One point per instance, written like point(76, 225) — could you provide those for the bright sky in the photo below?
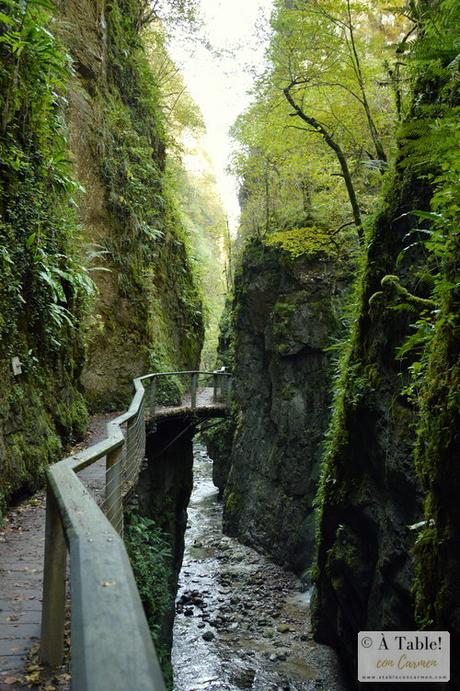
point(220, 84)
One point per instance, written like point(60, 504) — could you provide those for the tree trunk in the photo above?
point(330, 141)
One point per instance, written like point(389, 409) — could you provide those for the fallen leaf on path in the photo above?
point(33, 678)
point(64, 677)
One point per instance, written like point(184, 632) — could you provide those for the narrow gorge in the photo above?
point(229, 293)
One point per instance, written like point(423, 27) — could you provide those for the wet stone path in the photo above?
point(242, 622)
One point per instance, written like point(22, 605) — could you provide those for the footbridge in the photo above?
point(112, 649)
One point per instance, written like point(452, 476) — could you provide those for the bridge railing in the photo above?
point(112, 648)
point(192, 390)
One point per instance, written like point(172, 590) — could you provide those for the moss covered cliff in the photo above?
point(97, 283)
point(148, 314)
point(43, 290)
point(387, 503)
point(286, 310)
point(395, 408)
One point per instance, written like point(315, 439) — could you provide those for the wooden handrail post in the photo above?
point(130, 446)
point(53, 611)
point(153, 396)
point(215, 378)
point(194, 389)
point(113, 482)
point(229, 391)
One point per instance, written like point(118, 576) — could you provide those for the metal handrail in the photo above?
point(112, 649)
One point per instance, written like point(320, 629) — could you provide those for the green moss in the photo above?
point(45, 290)
point(437, 563)
point(40, 422)
point(300, 242)
point(282, 314)
point(231, 502)
point(150, 554)
point(288, 391)
point(374, 422)
point(152, 312)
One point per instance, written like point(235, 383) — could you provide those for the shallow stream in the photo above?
point(242, 622)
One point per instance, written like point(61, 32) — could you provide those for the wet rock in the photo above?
point(283, 628)
point(208, 636)
point(245, 679)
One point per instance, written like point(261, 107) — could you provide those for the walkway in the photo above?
point(22, 539)
point(205, 407)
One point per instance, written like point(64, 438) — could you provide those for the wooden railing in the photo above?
point(112, 649)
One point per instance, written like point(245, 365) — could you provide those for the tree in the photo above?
point(332, 144)
point(326, 80)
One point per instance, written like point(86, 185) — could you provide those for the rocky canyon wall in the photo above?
point(96, 284)
point(285, 313)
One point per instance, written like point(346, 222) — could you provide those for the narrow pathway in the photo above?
point(22, 537)
point(242, 622)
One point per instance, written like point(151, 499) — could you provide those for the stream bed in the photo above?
point(241, 621)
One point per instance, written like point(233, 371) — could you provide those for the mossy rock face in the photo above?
point(40, 415)
point(108, 133)
point(149, 551)
point(437, 560)
point(45, 292)
point(302, 323)
point(380, 450)
point(163, 493)
point(369, 486)
point(219, 440)
point(285, 312)
point(311, 242)
point(148, 315)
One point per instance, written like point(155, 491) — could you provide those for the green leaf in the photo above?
point(429, 215)
point(5, 19)
point(31, 239)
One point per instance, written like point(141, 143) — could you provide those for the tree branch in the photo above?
point(380, 151)
point(332, 144)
